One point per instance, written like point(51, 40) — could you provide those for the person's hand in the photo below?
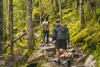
point(41, 25)
point(68, 44)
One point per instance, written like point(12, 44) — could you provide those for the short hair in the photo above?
point(46, 17)
point(57, 21)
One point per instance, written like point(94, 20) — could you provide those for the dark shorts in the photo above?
point(61, 44)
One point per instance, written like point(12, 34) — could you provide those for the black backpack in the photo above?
point(61, 32)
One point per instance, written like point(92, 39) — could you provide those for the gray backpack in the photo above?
point(61, 32)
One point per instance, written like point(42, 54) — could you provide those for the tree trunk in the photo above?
point(52, 3)
point(82, 13)
point(11, 26)
point(65, 1)
point(77, 4)
point(1, 25)
point(29, 27)
point(5, 19)
point(60, 9)
point(57, 5)
point(10, 10)
point(88, 6)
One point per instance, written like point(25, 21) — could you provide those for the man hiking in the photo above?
point(46, 29)
point(61, 36)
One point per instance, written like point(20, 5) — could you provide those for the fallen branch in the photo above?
point(15, 40)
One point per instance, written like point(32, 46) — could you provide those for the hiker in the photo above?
point(61, 37)
point(46, 29)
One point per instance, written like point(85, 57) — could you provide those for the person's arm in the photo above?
point(53, 34)
point(49, 26)
point(68, 41)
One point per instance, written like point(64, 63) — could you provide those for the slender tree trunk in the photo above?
point(29, 27)
point(77, 4)
point(60, 9)
point(5, 19)
point(65, 1)
point(52, 3)
point(40, 13)
point(10, 15)
point(1, 25)
point(82, 13)
point(11, 26)
point(57, 5)
point(88, 6)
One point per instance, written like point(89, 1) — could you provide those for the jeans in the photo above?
point(45, 35)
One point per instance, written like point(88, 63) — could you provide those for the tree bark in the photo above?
point(60, 9)
point(57, 5)
point(11, 25)
point(65, 1)
point(1, 25)
point(52, 3)
point(77, 4)
point(10, 15)
point(88, 6)
point(82, 13)
point(30, 34)
point(5, 19)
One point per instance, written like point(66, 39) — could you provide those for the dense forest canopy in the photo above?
point(21, 32)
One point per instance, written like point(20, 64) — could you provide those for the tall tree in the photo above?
point(60, 9)
point(65, 1)
point(1, 25)
point(5, 9)
point(52, 2)
point(30, 34)
point(88, 6)
point(10, 9)
point(57, 5)
point(10, 18)
point(77, 4)
point(82, 13)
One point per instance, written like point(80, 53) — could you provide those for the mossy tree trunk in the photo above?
point(10, 10)
point(82, 13)
point(5, 19)
point(52, 3)
point(1, 25)
point(77, 4)
point(11, 25)
point(60, 9)
point(65, 1)
point(57, 5)
point(30, 35)
point(88, 6)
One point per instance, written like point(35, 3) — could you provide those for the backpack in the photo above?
point(61, 32)
point(45, 26)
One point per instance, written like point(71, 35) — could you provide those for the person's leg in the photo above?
point(47, 37)
point(43, 36)
point(65, 52)
point(68, 59)
point(58, 56)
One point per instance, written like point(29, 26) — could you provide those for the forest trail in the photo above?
point(49, 50)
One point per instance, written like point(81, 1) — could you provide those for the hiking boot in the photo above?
point(43, 44)
point(58, 63)
point(68, 62)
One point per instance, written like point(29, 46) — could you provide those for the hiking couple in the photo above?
point(61, 37)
